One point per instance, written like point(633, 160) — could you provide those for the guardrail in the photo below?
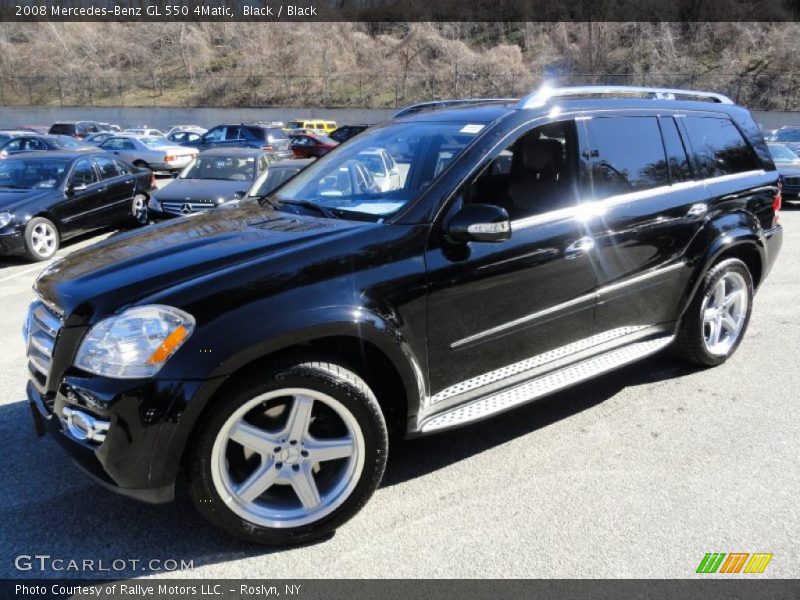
point(761, 91)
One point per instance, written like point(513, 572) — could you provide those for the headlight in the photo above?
point(135, 343)
point(5, 218)
point(154, 204)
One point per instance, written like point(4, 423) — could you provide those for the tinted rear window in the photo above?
point(719, 147)
point(276, 133)
point(62, 129)
point(627, 155)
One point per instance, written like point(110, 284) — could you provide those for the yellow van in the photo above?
point(314, 124)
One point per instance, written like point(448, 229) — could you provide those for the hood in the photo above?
point(13, 199)
point(197, 190)
point(125, 268)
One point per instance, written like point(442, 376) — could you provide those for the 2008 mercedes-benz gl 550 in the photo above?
point(520, 248)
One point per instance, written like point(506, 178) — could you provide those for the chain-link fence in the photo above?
point(763, 91)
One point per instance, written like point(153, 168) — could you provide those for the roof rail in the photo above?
point(547, 93)
point(439, 104)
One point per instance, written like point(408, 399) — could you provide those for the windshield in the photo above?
point(343, 179)
point(269, 181)
point(30, 173)
point(782, 153)
point(232, 168)
point(788, 135)
point(153, 142)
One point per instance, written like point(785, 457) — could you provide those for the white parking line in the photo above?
point(26, 271)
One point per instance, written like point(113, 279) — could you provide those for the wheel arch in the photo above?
point(744, 242)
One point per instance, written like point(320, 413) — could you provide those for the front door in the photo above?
point(493, 305)
point(85, 196)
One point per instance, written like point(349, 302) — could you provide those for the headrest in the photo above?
point(540, 155)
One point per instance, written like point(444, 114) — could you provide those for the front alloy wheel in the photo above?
point(41, 239)
point(139, 209)
point(290, 459)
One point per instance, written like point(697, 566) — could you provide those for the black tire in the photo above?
point(141, 164)
point(690, 343)
point(332, 380)
point(34, 249)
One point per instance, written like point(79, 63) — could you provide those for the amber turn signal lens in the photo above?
point(168, 346)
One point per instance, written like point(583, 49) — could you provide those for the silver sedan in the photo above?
point(154, 153)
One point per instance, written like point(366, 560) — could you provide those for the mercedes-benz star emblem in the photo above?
point(186, 208)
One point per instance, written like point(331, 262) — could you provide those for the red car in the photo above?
point(305, 145)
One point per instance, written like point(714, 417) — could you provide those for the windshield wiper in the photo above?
point(325, 212)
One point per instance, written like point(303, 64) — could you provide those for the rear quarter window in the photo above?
point(62, 129)
point(719, 147)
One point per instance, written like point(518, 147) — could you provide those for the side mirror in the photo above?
point(239, 195)
point(479, 223)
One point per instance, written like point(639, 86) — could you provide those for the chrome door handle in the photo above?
point(578, 248)
point(696, 211)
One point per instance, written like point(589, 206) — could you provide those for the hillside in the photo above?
point(379, 65)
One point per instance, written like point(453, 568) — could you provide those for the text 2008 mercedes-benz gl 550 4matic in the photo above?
point(520, 247)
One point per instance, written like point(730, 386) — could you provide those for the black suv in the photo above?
point(76, 129)
point(525, 246)
point(264, 137)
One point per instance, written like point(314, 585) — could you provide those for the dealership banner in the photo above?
point(388, 589)
point(399, 10)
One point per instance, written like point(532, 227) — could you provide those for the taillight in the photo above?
point(152, 179)
point(266, 147)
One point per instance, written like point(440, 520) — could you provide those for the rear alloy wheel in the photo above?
point(41, 239)
point(139, 209)
point(290, 459)
point(718, 316)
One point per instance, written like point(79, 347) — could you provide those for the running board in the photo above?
point(507, 399)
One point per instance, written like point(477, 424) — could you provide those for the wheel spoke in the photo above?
point(710, 315)
point(305, 486)
point(732, 298)
point(322, 450)
point(299, 418)
point(254, 438)
point(719, 293)
point(713, 336)
point(729, 324)
point(258, 483)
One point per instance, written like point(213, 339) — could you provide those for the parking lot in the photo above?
point(635, 474)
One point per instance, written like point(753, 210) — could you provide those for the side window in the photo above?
point(83, 173)
point(719, 147)
point(112, 144)
point(534, 175)
point(107, 167)
point(215, 135)
point(13, 145)
point(627, 155)
point(233, 133)
point(252, 134)
point(127, 145)
point(122, 167)
point(679, 169)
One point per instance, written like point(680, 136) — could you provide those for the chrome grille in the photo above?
point(793, 181)
point(186, 208)
point(43, 326)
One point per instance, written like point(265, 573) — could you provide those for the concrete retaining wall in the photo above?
point(163, 118)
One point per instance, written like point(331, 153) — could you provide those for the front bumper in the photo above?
point(12, 242)
point(148, 427)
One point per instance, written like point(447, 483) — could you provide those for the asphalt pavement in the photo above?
point(636, 474)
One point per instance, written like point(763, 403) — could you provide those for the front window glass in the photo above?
point(231, 168)
point(24, 173)
point(65, 142)
point(341, 180)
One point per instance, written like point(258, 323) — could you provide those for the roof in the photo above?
point(233, 152)
point(63, 154)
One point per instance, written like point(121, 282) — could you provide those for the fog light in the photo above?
point(83, 426)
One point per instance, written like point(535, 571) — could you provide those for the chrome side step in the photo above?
point(504, 400)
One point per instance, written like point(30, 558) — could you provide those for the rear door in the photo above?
point(650, 204)
point(119, 191)
point(233, 137)
point(86, 197)
point(211, 138)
